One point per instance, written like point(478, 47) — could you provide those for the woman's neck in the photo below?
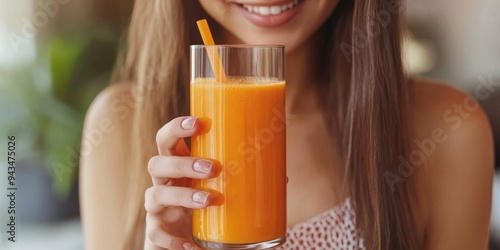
point(303, 73)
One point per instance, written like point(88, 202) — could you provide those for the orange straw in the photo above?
point(213, 54)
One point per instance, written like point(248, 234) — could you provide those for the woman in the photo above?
point(384, 162)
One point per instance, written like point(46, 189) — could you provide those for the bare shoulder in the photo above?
point(450, 117)
point(114, 102)
point(453, 119)
point(453, 157)
point(109, 118)
point(438, 103)
point(103, 166)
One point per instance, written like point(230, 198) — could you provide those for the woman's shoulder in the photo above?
point(113, 102)
point(107, 128)
point(103, 161)
point(437, 108)
point(452, 155)
point(108, 123)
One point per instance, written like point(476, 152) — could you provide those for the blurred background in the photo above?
point(56, 55)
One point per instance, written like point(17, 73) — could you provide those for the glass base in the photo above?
point(259, 245)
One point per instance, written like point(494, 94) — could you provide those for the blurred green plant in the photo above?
point(44, 103)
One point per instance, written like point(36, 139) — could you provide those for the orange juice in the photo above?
point(244, 132)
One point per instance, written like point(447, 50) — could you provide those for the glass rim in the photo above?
point(240, 46)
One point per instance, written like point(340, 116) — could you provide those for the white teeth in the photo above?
point(265, 11)
point(270, 10)
point(275, 10)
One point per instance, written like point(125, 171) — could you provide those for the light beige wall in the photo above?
point(466, 34)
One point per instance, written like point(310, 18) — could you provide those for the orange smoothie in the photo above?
point(244, 132)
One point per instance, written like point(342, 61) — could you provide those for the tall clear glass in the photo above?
point(243, 131)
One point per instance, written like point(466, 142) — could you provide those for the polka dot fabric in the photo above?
point(333, 229)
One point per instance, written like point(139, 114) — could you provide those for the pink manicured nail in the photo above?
point(189, 122)
point(202, 166)
point(188, 246)
point(200, 197)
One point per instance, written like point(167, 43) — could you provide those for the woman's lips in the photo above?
point(270, 16)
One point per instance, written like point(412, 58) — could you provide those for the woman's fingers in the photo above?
point(160, 238)
point(161, 196)
point(181, 149)
point(166, 204)
point(163, 168)
point(171, 133)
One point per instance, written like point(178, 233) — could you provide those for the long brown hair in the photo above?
point(365, 99)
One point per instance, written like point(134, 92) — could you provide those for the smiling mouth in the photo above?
point(270, 10)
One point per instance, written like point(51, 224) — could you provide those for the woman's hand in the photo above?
point(169, 201)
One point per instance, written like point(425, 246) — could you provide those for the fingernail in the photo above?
point(189, 122)
point(188, 246)
point(200, 197)
point(202, 166)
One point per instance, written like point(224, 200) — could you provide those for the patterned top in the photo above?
point(333, 229)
